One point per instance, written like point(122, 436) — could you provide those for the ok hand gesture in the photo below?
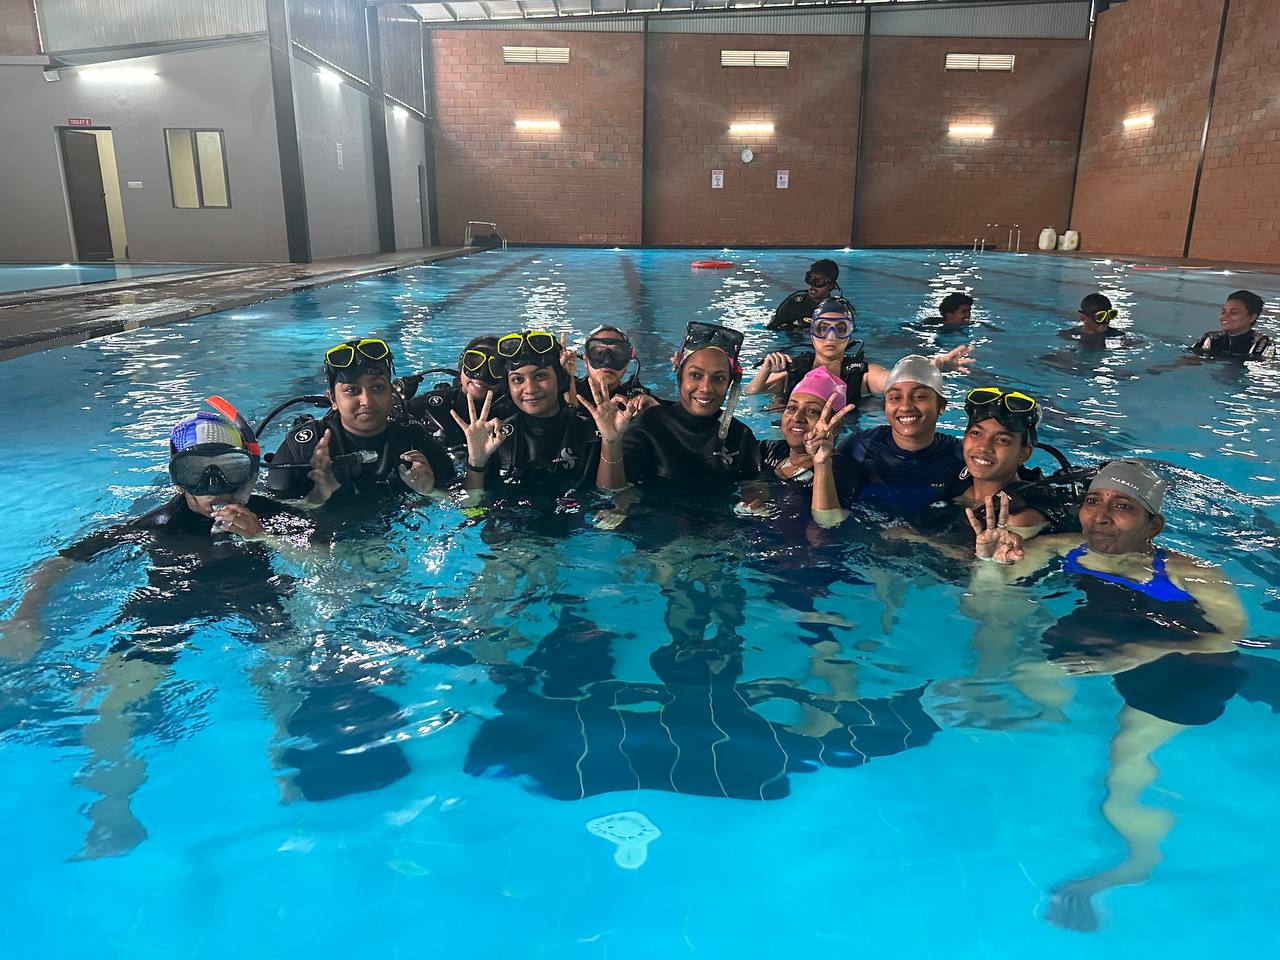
point(612, 418)
point(484, 435)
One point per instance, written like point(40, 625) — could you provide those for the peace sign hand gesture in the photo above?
point(820, 441)
point(484, 435)
point(995, 541)
point(612, 418)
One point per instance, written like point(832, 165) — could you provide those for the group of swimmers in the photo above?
point(516, 420)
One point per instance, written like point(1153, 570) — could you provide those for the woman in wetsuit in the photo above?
point(545, 447)
point(480, 373)
point(608, 352)
point(696, 441)
point(788, 458)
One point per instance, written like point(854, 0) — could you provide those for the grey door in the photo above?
point(88, 199)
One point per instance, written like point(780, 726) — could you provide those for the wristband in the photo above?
point(473, 468)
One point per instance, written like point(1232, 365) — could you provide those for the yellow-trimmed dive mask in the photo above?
point(537, 342)
point(1013, 408)
point(348, 361)
point(482, 365)
point(1104, 317)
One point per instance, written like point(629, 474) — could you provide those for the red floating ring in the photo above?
point(711, 264)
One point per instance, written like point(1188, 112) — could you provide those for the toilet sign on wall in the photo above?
point(784, 179)
point(717, 179)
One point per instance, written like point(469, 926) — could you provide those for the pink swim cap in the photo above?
point(821, 384)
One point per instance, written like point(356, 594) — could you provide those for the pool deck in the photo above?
point(33, 320)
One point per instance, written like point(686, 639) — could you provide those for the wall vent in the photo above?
point(535, 54)
point(755, 58)
point(980, 61)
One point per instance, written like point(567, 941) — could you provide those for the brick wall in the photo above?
point(578, 185)
point(922, 186)
point(813, 105)
point(1134, 189)
point(18, 36)
point(1238, 210)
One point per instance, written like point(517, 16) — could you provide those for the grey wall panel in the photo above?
point(333, 29)
point(401, 36)
point(406, 147)
point(226, 87)
point(1067, 21)
point(341, 205)
point(828, 22)
point(81, 24)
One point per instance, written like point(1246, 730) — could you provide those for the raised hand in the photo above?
point(324, 483)
point(820, 441)
point(416, 472)
point(961, 359)
point(484, 435)
point(994, 540)
point(612, 418)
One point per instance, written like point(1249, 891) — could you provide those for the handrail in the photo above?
point(466, 239)
point(980, 243)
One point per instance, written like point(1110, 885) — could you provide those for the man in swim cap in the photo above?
point(1237, 337)
point(903, 466)
point(1163, 624)
point(795, 311)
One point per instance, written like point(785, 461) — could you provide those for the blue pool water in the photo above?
point(38, 276)
point(407, 762)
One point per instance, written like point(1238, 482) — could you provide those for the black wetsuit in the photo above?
point(905, 480)
point(852, 371)
point(287, 475)
point(627, 388)
point(795, 311)
point(433, 407)
point(667, 442)
point(545, 456)
point(1185, 688)
point(1250, 345)
point(196, 576)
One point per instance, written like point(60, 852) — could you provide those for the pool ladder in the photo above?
point(493, 228)
point(1015, 230)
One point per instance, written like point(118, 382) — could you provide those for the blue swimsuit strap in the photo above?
point(1159, 587)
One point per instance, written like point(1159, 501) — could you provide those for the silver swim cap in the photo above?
point(916, 369)
point(1134, 479)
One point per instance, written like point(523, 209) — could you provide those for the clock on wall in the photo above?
point(747, 155)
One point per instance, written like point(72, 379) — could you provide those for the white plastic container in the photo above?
point(1071, 240)
point(1048, 238)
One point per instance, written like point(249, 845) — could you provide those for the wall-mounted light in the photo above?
point(1144, 120)
point(116, 74)
point(744, 129)
point(329, 76)
point(537, 124)
point(975, 130)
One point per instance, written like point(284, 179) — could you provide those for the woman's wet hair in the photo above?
point(1094, 304)
point(1252, 302)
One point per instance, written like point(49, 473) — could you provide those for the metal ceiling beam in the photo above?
point(450, 11)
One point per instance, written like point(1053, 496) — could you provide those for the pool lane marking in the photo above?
point(622, 718)
point(715, 759)
point(786, 757)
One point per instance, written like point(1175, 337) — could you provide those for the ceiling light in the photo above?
point(741, 129)
point(116, 74)
point(1145, 120)
point(971, 130)
point(329, 77)
point(537, 124)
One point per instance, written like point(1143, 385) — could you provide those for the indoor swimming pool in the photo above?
point(454, 731)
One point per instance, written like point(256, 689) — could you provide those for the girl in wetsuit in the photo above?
point(831, 330)
point(545, 447)
point(696, 441)
point(480, 373)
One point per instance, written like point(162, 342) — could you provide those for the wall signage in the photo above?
point(79, 122)
point(717, 179)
